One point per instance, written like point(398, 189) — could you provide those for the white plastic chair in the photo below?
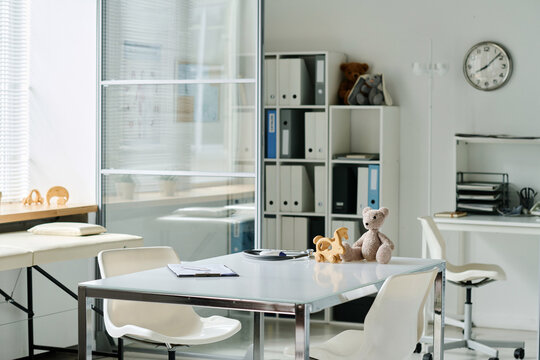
point(467, 276)
point(166, 324)
point(392, 326)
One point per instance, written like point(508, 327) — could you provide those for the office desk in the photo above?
point(521, 225)
point(22, 249)
point(296, 287)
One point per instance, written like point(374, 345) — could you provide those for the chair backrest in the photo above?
point(126, 261)
point(153, 316)
point(392, 326)
point(434, 238)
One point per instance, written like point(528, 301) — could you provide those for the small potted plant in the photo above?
point(125, 187)
point(167, 185)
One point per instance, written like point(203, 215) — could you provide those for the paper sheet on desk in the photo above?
point(186, 270)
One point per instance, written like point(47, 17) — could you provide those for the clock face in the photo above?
point(487, 66)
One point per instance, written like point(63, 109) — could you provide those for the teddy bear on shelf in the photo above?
point(351, 72)
point(373, 244)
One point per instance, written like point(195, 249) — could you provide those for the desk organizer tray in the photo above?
point(479, 196)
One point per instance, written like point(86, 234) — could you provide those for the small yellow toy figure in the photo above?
point(327, 249)
point(60, 193)
point(33, 198)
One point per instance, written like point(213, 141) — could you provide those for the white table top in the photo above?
point(23, 249)
point(300, 281)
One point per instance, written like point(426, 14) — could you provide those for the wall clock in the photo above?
point(487, 66)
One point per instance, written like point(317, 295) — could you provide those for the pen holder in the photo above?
point(526, 198)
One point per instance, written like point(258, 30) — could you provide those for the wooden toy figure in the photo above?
point(327, 249)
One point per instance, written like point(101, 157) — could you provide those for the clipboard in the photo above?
point(207, 270)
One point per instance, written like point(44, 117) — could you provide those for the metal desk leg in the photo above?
point(302, 332)
point(30, 306)
point(258, 336)
point(85, 325)
point(438, 317)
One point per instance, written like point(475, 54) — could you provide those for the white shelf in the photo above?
point(350, 129)
point(369, 129)
point(312, 161)
point(492, 140)
point(356, 162)
point(309, 214)
point(346, 216)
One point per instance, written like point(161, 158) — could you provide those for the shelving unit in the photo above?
point(373, 129)
point(514, 156)
point(324, 76)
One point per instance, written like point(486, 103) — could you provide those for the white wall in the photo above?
point(63, 97)
point(390, 35)
point(62, 152)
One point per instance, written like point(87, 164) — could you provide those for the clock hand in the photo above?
point(489, 63)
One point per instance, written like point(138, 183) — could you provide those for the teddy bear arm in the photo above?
point(385, 240)
point(358, 243)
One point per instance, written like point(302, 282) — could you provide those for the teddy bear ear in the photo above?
point(365, 67)
point(343, 66)
point(384, 211)
point(366, 209)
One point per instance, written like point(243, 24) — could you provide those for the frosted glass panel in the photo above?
point(148, 39)
point(199, 217)
point(199, 127)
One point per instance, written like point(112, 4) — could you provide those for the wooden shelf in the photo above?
point(13, 212)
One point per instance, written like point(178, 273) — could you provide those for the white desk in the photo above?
point(22, 249)
point(524, 225)
point(295, 287)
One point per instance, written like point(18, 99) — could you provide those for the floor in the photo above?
point(280, 334)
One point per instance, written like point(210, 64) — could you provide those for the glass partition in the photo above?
point(147, 40)
point(190, 127)
point(179, 131)
point(199, 217)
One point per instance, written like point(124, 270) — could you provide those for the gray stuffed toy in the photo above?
point(368, 90)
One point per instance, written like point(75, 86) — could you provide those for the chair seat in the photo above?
point(212, 329)
point(474, 271)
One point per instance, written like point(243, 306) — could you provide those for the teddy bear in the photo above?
point(368, 90)
point(351, 71)
point(373, 244)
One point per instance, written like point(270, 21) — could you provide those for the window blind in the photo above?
point(14, 87)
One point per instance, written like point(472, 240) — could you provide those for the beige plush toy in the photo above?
point(372, 245)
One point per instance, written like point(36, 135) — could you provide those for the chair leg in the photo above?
point(120, 349)
point(488, 347)
point(171, 350)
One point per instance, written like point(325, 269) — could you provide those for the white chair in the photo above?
point(164, 324)
point(392, 326)
point(468, 276)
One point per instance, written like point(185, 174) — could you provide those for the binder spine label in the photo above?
point(373, 192)
point(271, 134)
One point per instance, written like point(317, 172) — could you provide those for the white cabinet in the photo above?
point(304, 131)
